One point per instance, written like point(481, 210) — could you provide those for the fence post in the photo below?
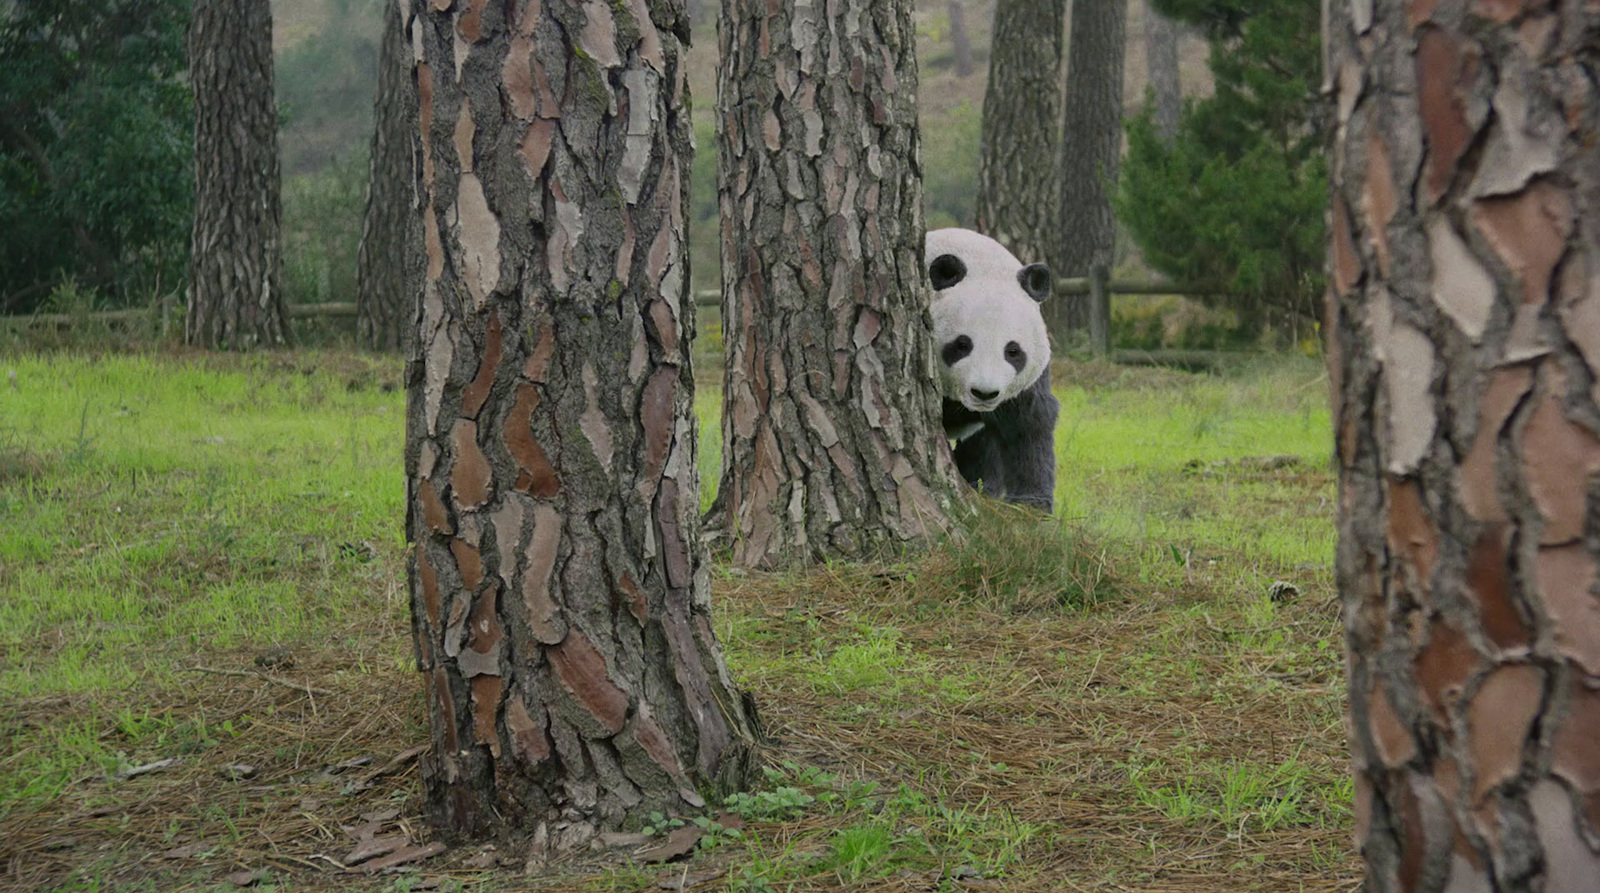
point(1100, 309)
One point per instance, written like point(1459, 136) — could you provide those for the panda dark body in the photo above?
point(994, 356)
point(1013, 456)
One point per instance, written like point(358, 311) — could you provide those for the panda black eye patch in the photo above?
point(1016, 356)
point(946, 270)
point(955, 351)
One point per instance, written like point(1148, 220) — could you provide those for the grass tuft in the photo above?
point(1013, 559)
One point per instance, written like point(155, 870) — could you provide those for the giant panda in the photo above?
point(994, 361)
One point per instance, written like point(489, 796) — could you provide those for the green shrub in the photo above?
point(1236, 198)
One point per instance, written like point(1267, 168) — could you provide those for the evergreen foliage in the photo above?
point(1237, 198)
point(95, 148)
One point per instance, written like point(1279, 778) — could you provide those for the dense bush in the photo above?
point(95, 149)
point(1236, 198)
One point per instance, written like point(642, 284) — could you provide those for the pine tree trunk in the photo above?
point(1161, 67)
point(1465, 346)
point(832, 444)
point(1018, 183)
point(391, 232)
point(1090, 152)
point(235, 295)
point(960, 44)
point(560, 594)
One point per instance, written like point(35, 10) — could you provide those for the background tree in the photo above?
point(560, 596)
point(1090, 152)
point(1161, 70)
point(832, 444)
point(391, 234)
point(236, 259)
point(94, 149)
point(1236, 199)
point(960, 43)
point(1464, 350)
point(1018, 176)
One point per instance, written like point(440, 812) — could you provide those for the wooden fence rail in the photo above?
point(1098, 286)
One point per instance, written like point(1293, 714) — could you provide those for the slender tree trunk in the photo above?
point(391, 232)
point(1090, 152)
point(1465, 346)
point(1018, 182)
point(960, 45)
point(832, 444)
point(235, 269)
point(560, 593)
point(1161, 67)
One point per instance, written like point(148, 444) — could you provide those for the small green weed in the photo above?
point(861, 851)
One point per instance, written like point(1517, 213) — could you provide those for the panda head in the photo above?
point(987, 327)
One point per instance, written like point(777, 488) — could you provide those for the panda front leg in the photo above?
point(1028, 452)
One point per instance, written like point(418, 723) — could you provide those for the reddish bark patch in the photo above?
point(540, 609)
point(1391, 736)
point(538, 365)
point(539, 478)
point(1346, 262)
point(1412, 534)
point(674, 549)
point(1558, 458)
point(1412, 835)
point(471, 22)
point(447, 711)
point(472, 399)
point(636, 598)
point(434, 512)
point(1480, 486)
point(483, 626)
point(1444, 666)
point(528, 739)
point(666, 328)
point(1501, 11)
point(1420, 11)
point(582, 671)
point(656, 415)
point(1529, 233)
point(430, 585)
point(1439, 66)
point(1499, 717)
point(1574, 755)
point(1489, 578)
point(486, 692)
point(535, 146)
point(654, 741)
point(1378, 198)
point(471, 478)
point(1566, 576)
point(470, 562)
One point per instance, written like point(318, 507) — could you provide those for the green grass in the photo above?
point(1102, 695)
point(175, 506)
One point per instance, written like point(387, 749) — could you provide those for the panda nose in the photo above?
point(984, 396)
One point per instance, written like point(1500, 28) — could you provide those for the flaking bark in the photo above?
point(235, 297)
point(1019, 186)
point(1464, 350)
point(389, 262)
point(832, 445)
point(560, 595)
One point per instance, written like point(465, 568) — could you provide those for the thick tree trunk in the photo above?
point(1465, 346)
point(235, 269)
point(960, 44)
point(389, 262)
point(832, 444)
point(1018, 183)
point(1161, 69)
point(560, 592)
point(1090, 152)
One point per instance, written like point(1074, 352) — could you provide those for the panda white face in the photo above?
point(990, 335)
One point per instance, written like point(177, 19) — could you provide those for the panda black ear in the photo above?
point(946, 270)
point(1035, 280)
